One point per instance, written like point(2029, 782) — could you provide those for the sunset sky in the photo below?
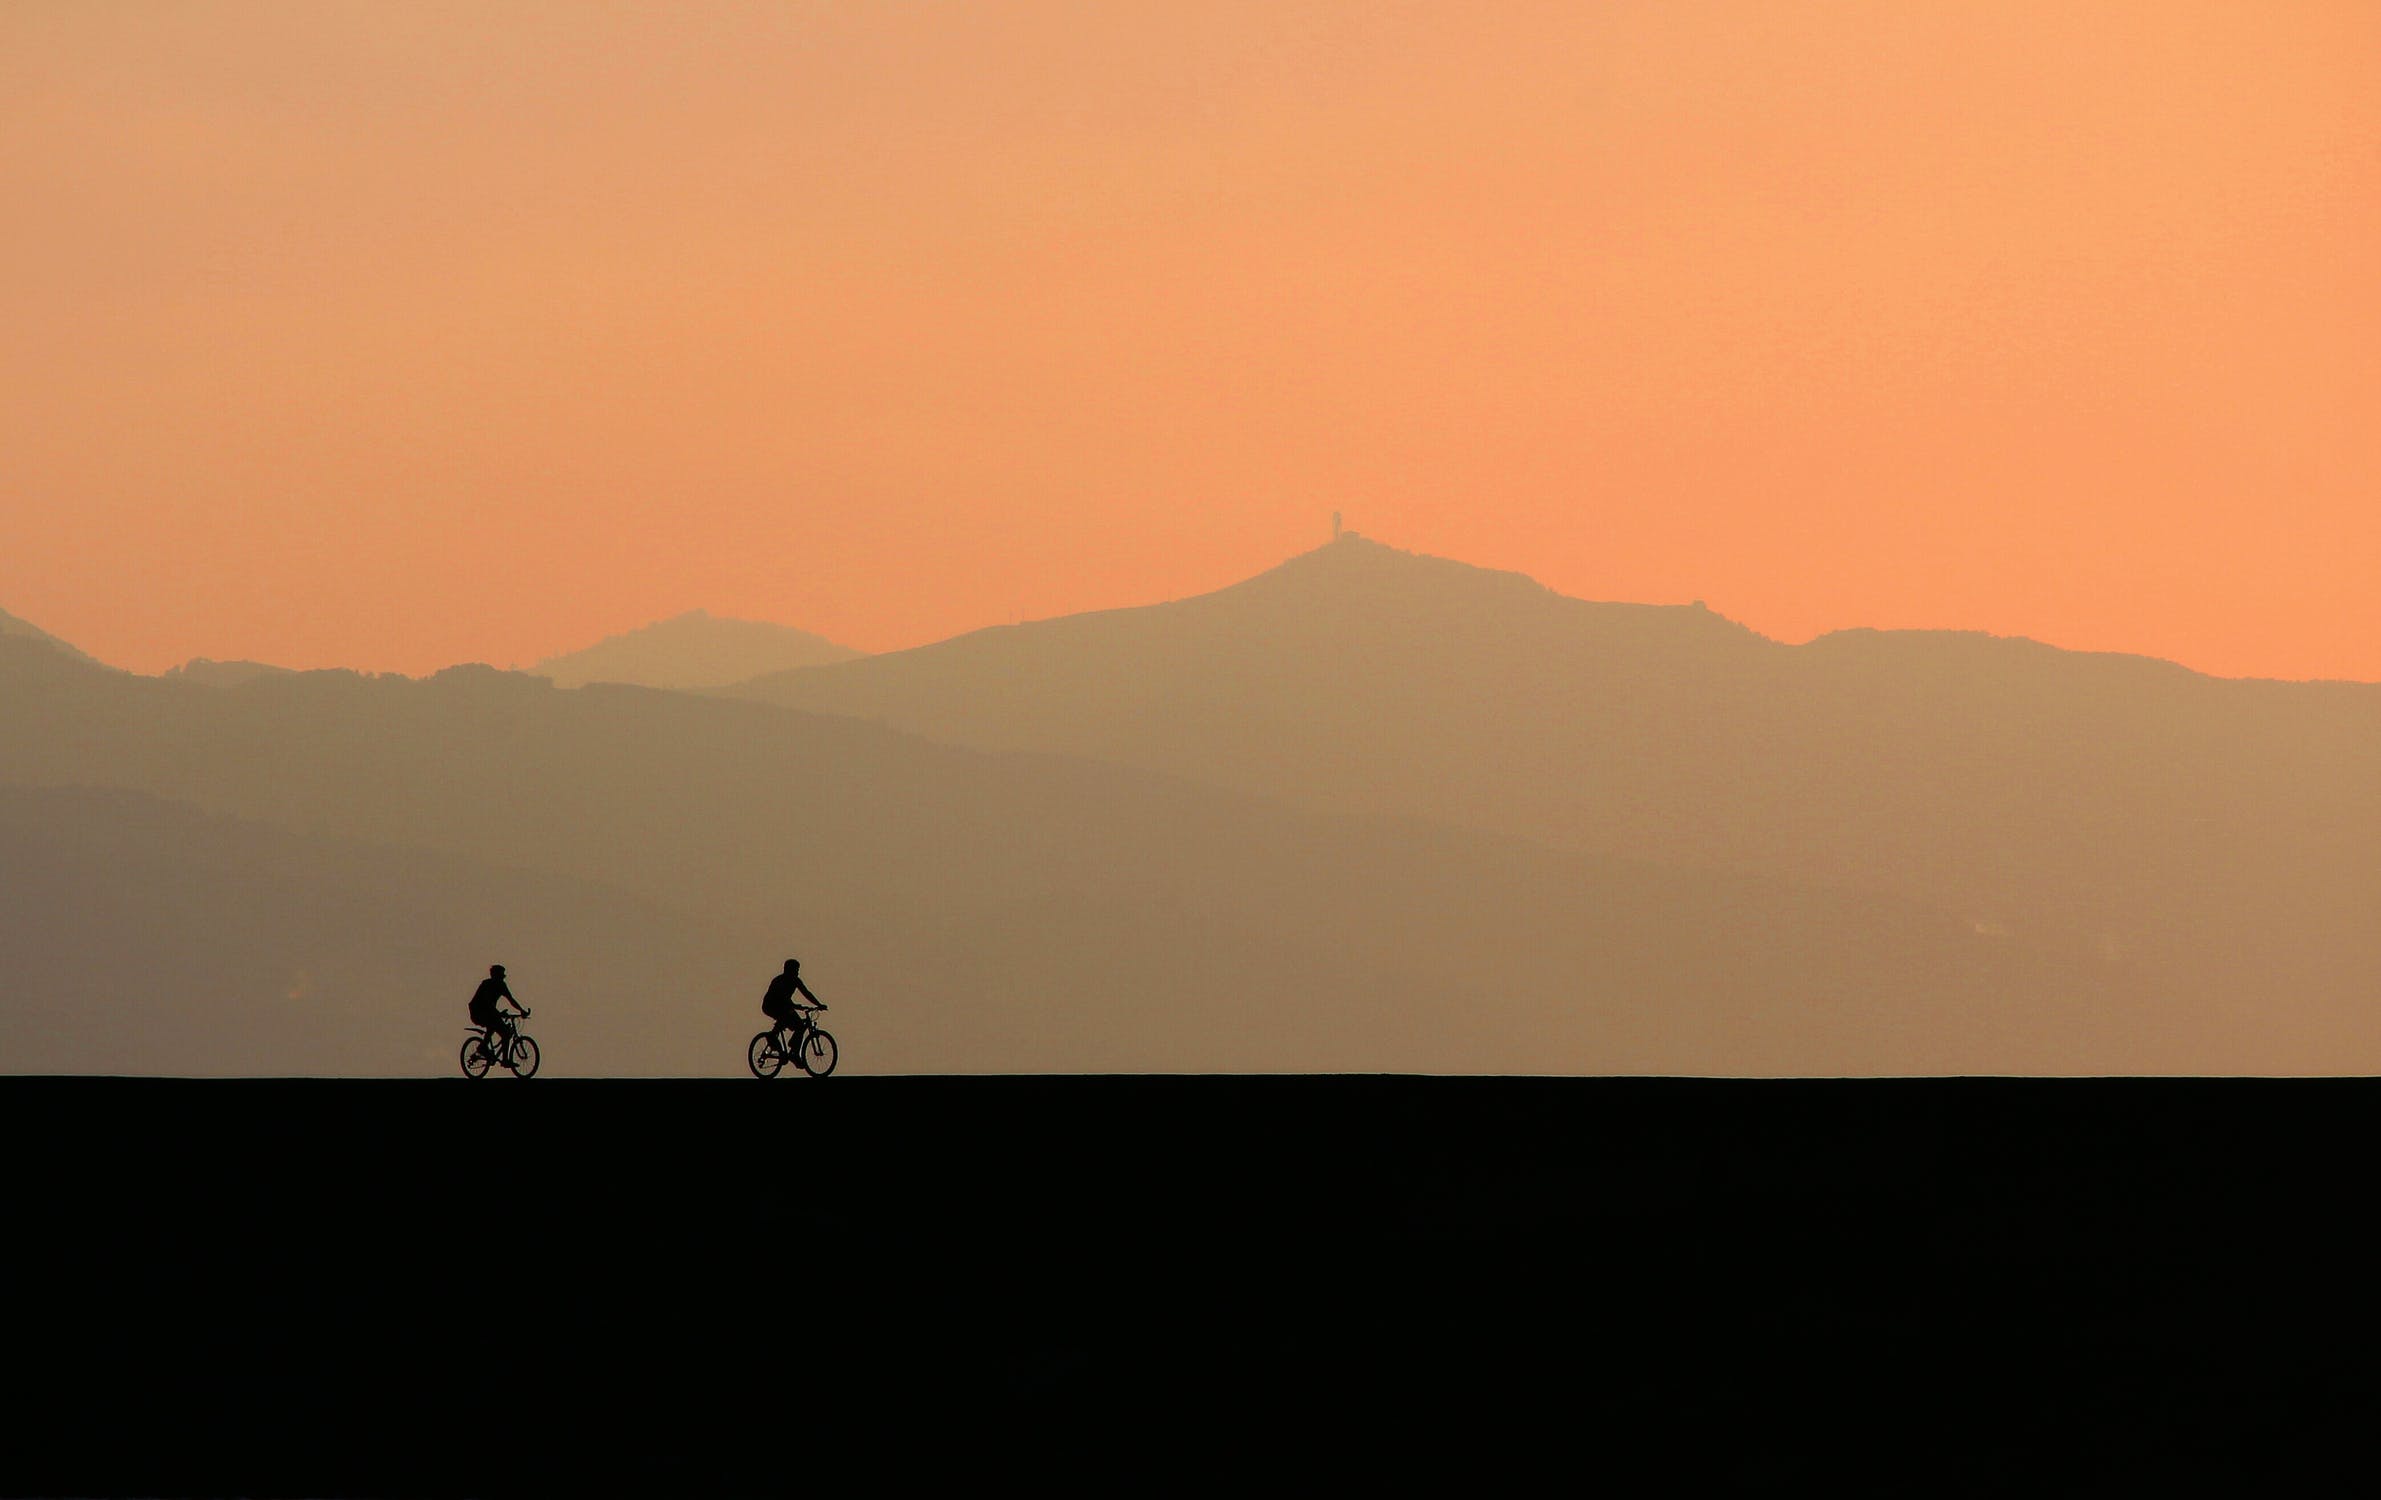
point(393, 335)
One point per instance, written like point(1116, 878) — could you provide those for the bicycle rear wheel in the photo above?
point(818, 1053)
point(475, 1058)
point(524, 1058)
point(766, 1057)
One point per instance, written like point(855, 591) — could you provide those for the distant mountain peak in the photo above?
point(693, 650)
point(1354, 556)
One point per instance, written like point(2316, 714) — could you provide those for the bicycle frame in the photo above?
point(500, 1042)
point(507, 1047)
point(789, 1042)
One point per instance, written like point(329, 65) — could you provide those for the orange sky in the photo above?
point(394, 335)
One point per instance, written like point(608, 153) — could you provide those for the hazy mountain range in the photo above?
point(693, 650)
point(1365, 811)
point(2218, 840)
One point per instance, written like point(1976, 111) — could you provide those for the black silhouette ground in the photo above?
point(1923, 1287)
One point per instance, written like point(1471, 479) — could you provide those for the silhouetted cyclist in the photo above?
point(779, 1004)
point(485, 1011)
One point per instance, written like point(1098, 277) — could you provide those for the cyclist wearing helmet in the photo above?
point(486, 1012)
point(778, 1004)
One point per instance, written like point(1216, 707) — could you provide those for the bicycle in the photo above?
point(807, 1044)
point(515, 1051)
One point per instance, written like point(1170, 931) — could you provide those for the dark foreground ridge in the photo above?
point(442, 1287)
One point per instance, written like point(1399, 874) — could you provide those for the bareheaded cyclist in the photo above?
point(486, 1012)
point(779, 1005)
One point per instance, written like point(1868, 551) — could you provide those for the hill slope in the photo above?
point(12, 628)
point(692, 650)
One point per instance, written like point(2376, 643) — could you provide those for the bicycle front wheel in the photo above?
point(765, 1055)
point(475, 1058)
point(818, 1053)
point(524, 1059)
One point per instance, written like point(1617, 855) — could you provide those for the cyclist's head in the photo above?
point(793, 966)
point(495, 971)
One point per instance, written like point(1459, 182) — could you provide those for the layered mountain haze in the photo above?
point(1366, 811)
point(967, 910)
point(2217, 841)
point(692, 650)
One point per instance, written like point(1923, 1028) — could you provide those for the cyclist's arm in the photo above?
point(805, 989)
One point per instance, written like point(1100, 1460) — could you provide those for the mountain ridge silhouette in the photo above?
point(207, 672)
point(968, 911)
point(1445, 819)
